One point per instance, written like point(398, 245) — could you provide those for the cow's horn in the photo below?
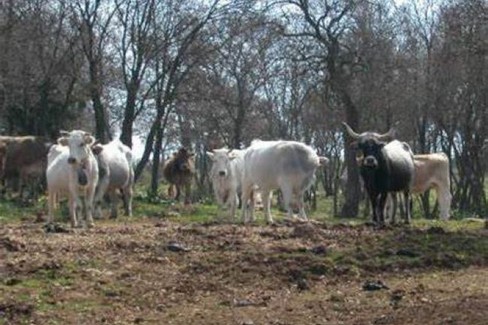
point(350, 131)
point(388, 135)
point(63, 133)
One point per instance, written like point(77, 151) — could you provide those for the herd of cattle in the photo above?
point(87, 172)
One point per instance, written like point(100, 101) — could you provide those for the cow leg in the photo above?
point(390, 207)
point(178, 192)
point(114, 200)
point(444, 198)
point(408, 207)
point(267, 205)
point(171, 191)
point(90, 194)
point(245, 196)
point(381, 208)
point(73, 206)
point(127, 194)
point(233, 201)
point(287, 192)
point(188, 193)
point(100, 191)
point(301, 205)
point(373, 197)
point(51, 204)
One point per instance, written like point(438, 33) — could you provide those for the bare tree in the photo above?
point(180, 34)
point(324, 23)
point(137, 48)
point(93, 20)
point(40, 68)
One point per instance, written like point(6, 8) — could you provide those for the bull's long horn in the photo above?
point(63, 133)
point(388, 135)
point(350, 131)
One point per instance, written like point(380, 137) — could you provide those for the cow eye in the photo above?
point(82, 145)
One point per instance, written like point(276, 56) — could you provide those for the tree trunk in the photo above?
point(158, 144)
point(102, 132)
point(129, 116)
point(353, 188)
point(147, 150)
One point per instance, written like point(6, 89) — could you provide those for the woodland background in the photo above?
point(204, 74)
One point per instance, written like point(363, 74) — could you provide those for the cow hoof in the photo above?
point(90, 224)
point(379, 226)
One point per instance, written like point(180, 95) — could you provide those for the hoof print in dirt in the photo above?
point(372, 285)
point(177, 247)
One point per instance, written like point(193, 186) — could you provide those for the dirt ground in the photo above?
point(165, 272)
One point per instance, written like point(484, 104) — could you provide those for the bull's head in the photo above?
point(369, 145)
point(388, 136)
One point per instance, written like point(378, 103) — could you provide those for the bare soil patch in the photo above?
point(164, 272)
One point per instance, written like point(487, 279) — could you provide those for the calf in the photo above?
point(287, 165)
point(115, 172)
point(179, 171)
point(226, 175)
point(72, 169)
point(384, 167)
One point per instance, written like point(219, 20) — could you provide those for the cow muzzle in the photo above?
point(370, 161)
point(71, 160)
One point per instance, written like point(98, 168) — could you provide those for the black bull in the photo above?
point(384, 167)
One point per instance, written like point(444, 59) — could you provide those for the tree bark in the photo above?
point(158, 144)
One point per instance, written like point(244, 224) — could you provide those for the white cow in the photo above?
point(114, 172)
point(73, 170)
point(287, 165)
point(226, 175)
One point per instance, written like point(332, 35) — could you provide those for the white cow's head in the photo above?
point(79, 144)
point(221, 159)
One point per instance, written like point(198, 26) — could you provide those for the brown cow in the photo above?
point(179, 171)
point(23, 159)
